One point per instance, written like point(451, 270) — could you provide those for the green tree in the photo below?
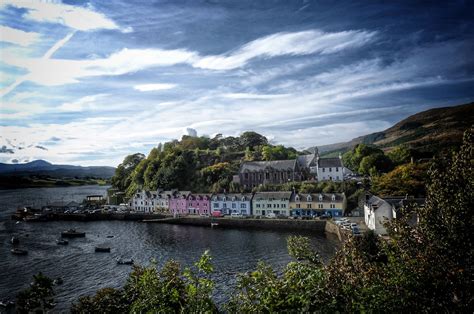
point(38, 298)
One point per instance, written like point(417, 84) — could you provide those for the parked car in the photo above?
point(236, 215)
point(324, 216)
point(217, 213)
point(354, 225)
point(270, 215)
point(356, 231)
point(204, 215)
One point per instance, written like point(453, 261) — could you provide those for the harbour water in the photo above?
point(84, 272)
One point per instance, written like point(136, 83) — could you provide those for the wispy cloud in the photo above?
point(153, 87)
point(17, 36)
point(84, 103)
point(254, 96)
point(38, 68)
point(281, 44)
point(75, 17)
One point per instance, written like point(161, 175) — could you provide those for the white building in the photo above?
point(329, 169)
point(377, 212)
point(229, 203)
point(143, 201)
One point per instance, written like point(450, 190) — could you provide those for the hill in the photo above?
point(44, 168)
point(427, 131)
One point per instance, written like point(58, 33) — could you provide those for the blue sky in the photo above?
point(88, 82)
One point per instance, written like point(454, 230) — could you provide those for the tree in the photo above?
point(252, 139)
point(406, 179)
point(38, 297)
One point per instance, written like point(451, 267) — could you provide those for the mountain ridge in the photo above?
point(42, 167)
point(427, 131)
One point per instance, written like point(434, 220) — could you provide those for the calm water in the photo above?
point(84, 271)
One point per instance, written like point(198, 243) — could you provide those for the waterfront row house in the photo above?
point(283, 203)
point(278, 203)
point(232, 203)
point(198, 204)
point(317, 204)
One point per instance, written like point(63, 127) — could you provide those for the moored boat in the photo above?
point(102, 249)
point(122, 261)
point(62, 242)
point(14, 240)
point(19, 251)
point(72, 233)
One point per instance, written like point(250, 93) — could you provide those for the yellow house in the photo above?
point(317, 204)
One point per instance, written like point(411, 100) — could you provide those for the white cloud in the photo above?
point(18, 37)
point(51, 72)
point(79, 18)
point(254, 96)
point(281, 44)
point(153, 87)
point(84, 103)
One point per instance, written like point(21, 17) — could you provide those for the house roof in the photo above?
point(199, 196)
point(272, 195)
point(279, 165)
point(230, 196)
point(329, 162)
point(305, 160)
point(327, 197)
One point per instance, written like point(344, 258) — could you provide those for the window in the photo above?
point(267, 176)
point(269, 205)
point(320, 206)
point(308, 206)
point(234, 205)
point(243, 205)
point(333, 197)
point(324, 169)
point(330, 169)
point(298, 205)
point(297, 198)
point(337, 169)
point(309, 198)
point(332, 206)
point(283, 205)
point(320, 197)
point(258, 206)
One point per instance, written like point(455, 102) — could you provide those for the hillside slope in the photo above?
point(427, 131)
point(41, 167)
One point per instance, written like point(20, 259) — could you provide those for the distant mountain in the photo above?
point(428, 131)
point(41, 167)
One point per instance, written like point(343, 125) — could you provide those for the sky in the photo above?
point(89, 82)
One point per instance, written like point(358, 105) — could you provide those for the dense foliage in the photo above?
point(199, 164)
point(38, 297)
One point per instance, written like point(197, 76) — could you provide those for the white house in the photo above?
point(329, 169)
point(229, 203)
point(143, 201)
point(377, 212)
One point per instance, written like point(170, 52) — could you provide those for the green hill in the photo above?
point(428, 132)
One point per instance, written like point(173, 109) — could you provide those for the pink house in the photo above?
point(199, 204)
point(178, 203)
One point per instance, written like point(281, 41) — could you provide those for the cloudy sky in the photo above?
point(88, 82)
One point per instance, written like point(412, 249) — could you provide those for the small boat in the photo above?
point(14, 240)
point(110, 236)
point(122, 261)
point(214, 224)
point(102, 249)
point(72, 233)
point(6, 304)
point(19, 251)
point(62, 242)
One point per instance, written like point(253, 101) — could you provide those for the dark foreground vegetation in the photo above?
point(422, 268)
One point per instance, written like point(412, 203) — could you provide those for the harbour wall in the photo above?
point(317, 226)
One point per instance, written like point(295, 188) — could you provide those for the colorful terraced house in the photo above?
point(317, 204)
